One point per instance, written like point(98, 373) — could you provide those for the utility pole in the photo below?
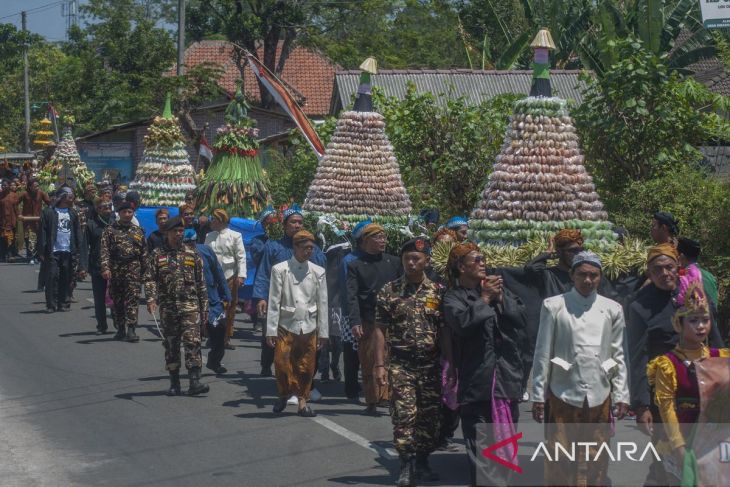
point(26, 83)
point(180, 36)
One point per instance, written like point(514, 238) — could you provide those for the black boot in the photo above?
point(406, 477)
point(423, 469)
point(131, 335)
point(175, 389)
point(195, 386)
point(121, 333)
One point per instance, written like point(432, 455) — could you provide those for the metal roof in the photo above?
point(474, 85)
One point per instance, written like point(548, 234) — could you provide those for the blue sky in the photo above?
point(44, 16)
point(47, 22)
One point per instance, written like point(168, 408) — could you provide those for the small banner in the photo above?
point(286, 100)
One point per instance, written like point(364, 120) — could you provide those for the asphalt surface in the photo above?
point(83, 410)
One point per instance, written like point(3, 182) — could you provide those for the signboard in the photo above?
point(715, 13)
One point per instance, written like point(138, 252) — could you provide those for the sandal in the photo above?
point(306, 412)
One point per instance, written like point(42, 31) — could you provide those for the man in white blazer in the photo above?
point(297, 322)
point(579, 371)
point(231, 254)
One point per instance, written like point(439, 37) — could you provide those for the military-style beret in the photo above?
point(173, 223)
point(419, 244)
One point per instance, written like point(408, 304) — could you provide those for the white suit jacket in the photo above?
point(297, 299)
point(579, 353)
point(228, 247)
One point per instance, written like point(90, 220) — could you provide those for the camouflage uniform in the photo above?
point(174, 279)
point(412, 318)
point(123, 252)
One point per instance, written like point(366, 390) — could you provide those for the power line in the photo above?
point(35, 9)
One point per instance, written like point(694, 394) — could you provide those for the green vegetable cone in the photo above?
point(235, 180)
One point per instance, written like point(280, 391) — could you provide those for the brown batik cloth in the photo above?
point(295, 360)
point(568, 424)
point(374, 393)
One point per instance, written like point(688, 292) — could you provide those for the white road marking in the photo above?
point(387, 453)
point(90, 300)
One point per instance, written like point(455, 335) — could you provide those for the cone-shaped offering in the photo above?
point(165, 174)
point(235, 180)
point(66, 166)
point(359, 174)
point(539, 184)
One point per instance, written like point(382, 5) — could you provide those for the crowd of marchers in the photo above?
point(433, 351)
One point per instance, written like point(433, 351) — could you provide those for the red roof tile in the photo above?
point(308, 74)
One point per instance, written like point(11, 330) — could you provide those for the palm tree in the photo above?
point(583, 30)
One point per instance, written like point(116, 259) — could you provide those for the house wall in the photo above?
point(123, 150)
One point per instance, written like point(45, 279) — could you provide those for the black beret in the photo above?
point(419, 244)
point(124, 205)
point(666, 218)
point(133, 197)
point(690, 248)
point(430, 215)
point(173, 223)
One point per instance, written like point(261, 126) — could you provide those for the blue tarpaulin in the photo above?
point(247, 228)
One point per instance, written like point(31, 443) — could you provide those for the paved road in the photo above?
point(77, 409)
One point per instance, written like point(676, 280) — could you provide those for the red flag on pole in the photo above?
point(205, 150)
point(286, 100)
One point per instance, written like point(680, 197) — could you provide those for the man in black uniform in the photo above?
point(103, 217)
point(366, 275)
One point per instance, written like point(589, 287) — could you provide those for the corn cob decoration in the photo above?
point(539, 184)
point(165, 174)
point(359, 174)
point(235, 180)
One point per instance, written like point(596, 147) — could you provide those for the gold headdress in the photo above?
point(695, 302)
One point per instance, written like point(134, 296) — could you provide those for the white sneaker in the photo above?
point(315, 395)
point(293, 400)
point(525, 396)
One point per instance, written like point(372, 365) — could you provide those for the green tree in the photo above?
point(639, 120)
point(672, 28)
point(290, 173)
point(43, 59)
point(114, 69)
point(699, 201)
point(400, 34)
point(445, 147)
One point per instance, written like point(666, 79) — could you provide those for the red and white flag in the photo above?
point(287, 102)
point(205, 150)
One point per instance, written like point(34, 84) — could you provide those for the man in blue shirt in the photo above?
point(218, 296)
point(267, 217)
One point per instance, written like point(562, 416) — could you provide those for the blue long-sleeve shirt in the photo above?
point(256, 248)
point(215, 282)
point(276, 251)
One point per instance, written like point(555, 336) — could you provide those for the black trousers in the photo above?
point(472, 414)
point(98, 288)
point(329, 358)
point(352, 365)
point(59, 274)
point(217, 337)
point(42, 274)
point(449, 423)
point(267, 353)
